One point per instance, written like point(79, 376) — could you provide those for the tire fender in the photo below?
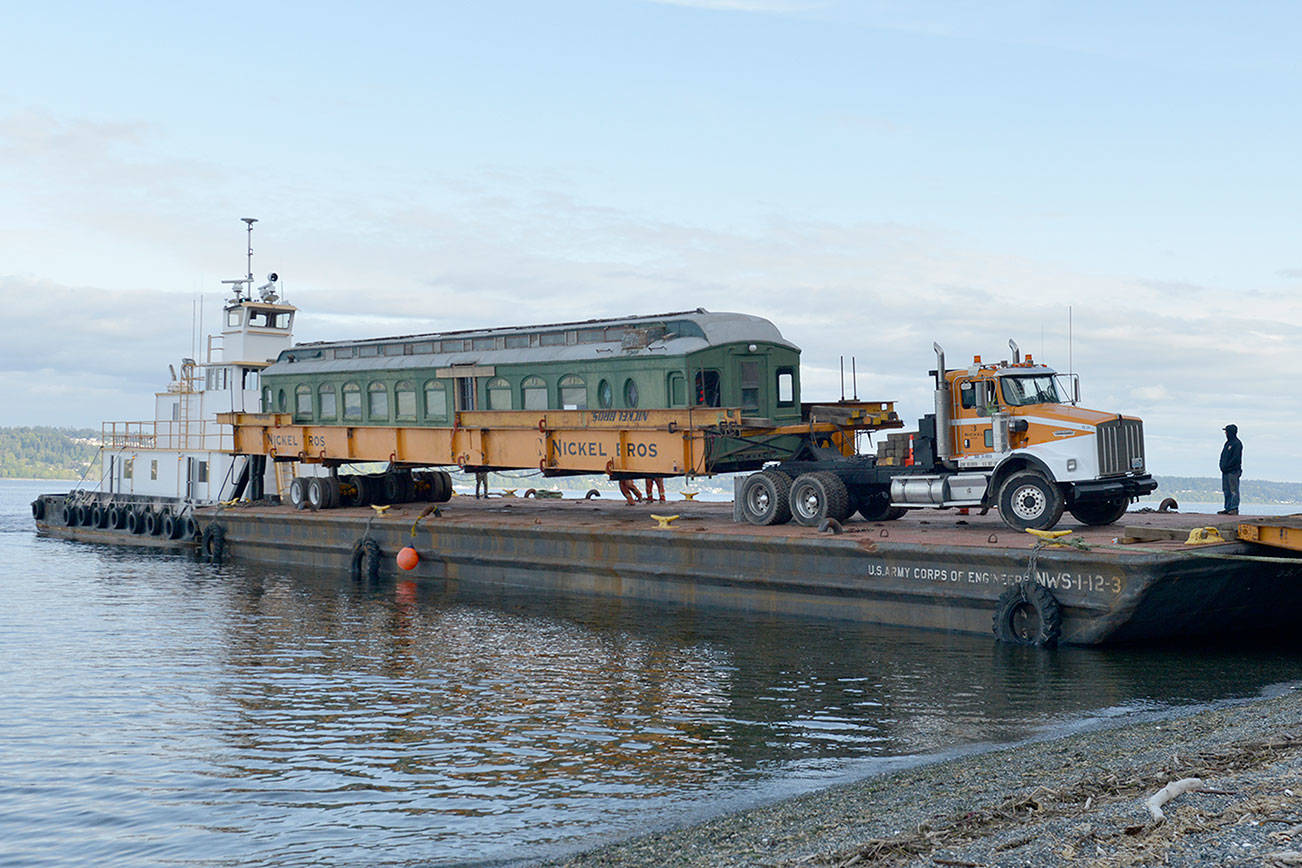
point(1028, 614)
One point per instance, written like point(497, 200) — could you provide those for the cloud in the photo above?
point(1291, 273)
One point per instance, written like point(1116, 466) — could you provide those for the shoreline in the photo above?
point(1073, 800)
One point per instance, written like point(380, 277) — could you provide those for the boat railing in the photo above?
point(192, 435)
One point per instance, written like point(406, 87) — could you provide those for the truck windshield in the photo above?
point(1020, 391)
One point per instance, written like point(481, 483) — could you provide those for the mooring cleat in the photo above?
point(664, 520)
point(1201, 536)
point(381, 510)
point(509, 492)
point(690, 495)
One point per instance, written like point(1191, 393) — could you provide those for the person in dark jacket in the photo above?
point(1231, 469)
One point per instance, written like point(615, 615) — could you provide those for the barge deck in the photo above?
point(932, 570)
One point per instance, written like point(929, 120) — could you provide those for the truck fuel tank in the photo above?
point(954, 489)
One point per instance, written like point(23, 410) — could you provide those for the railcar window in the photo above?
point(352, 401)
point(592, 336)
point(574, 393)
point(345, 352)
point(786, 387)
point(605, 395)
point(499, 394)
point(707, 389)
point(423, 348)
point(436, 401)
point(677, 390)
point(282, 401)
point(377, 402)
point(483, 344)
point(267, 406)
point(391, 349)
point(534, 392)
point(552, 339)
point(367, 351)
point(404, 395)
point(303, 401)
point(454, 346)
point(326, 394)
point(630, 392)
point(517, 342)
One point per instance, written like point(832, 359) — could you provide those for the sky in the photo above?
point(871, 176)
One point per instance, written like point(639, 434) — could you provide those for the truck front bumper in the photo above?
point(1113, 488)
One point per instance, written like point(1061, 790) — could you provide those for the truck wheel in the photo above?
point(1029, 501)
point(814, 499)
point(764, 498)
point(1028, 614)
point(1100, 512)
point(838, 497)
point(876, 506)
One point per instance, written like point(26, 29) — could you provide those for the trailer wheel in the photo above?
point(1028, 614)
point(1100, 512)
point(764, 498)
point(298, 492)
point(318, 493)
point(814, 498)
point(1029, 501)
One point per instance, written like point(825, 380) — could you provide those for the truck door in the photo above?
point(972, 431)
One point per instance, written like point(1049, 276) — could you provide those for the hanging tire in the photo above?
point(214, 543)
point(814, 498)
point(1100, 512)
point(1027, 500)
point(764, 498)
point(366, 560)
point(171, 527)
point(1028, 614)
point(68, 514)
point(190, 528)
point(83, 515)
point(298, 492)
point(116, 518)
point(38, 508)
point(153, 523)
point(135, 522)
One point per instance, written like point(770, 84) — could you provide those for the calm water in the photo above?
point(155, 710)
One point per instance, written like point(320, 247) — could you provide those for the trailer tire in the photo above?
point(1028, 614)
point(298, 492)
point(1029, 501)
point(1100, 512)
point(318, 493)
point(765, 498)
point(816, 496)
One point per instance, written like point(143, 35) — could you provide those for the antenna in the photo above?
point(842, 378)
point(1071, 369)
point(854, 379)
point(249, 221)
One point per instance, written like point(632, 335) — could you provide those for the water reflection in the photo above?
point(245, 714)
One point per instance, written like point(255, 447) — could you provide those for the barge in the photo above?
point(933, 570)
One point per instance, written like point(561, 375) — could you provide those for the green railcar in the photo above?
point(675, 360)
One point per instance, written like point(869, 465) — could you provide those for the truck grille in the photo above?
point(1121, 447)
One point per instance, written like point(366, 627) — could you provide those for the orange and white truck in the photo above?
point(1009, 436)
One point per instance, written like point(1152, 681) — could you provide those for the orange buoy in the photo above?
point(407, 558)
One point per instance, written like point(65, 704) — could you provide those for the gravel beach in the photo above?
point(1076, 800)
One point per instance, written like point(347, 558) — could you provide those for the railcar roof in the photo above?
point(716, 328)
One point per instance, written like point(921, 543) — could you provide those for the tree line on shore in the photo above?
point(46, 453)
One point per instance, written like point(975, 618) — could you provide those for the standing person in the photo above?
point(1231, 469)
point(481, 483)
point(658, 483)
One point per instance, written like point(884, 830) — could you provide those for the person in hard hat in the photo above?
point(1231, 469)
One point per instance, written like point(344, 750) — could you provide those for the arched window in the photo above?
point(377, 402)
point(404, 398)
point(574, 393)
point(267, 406)
point(352, 401)
point(534, 392)
point(630, 393)
point(677, 390)
point(303, 401)
point(499, 394)
point(282, 401)
point(605, 395)
point(326, 398)
point(436, 401)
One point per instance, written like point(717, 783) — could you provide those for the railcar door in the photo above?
point(466, 392)
point(751, 377)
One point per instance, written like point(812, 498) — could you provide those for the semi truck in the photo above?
point(1009, 436)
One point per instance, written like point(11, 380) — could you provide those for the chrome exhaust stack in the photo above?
point(943, 401)
point(1017, 353)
